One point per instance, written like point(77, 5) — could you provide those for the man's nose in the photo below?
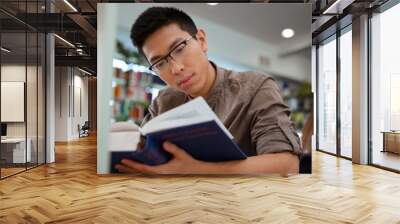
point(175, 66)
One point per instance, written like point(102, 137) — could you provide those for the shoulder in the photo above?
point(255, 79)
point(248, 84)
point(168, 98)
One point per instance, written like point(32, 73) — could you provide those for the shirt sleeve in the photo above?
point(271, 128)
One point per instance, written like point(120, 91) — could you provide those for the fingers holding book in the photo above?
point(181, 163)
point(130, 166)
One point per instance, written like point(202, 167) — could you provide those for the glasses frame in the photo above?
point(151, 67)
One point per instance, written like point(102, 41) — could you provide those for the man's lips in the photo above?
point(185, 80)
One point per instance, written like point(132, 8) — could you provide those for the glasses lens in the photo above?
point(179, 50)
point(160, 65)
point(176, 53)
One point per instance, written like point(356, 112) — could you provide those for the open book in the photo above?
point(193, 127)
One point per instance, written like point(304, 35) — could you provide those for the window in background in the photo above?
point(394, 102)
point(385, 88)
point(327, 96)
point(346, 93)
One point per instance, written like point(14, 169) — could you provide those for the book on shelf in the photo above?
point(193, 126)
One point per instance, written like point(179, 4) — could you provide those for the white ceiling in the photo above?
point(272, 17)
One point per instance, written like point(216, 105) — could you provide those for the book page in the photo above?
point(168, 124)
point(192, 110)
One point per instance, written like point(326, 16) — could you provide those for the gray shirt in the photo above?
point(250, 106)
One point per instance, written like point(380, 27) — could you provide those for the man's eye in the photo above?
point(179, 49)
point(160, 64)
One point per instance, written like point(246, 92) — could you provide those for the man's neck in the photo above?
point(211, 77)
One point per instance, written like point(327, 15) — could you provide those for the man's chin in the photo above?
point(191, 93)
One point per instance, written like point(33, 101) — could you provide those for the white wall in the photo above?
point(79, 117)
point(61, 104)
point(68, 82)
point(17, 73)
point(14, 73)
point(106, 34)
point(33, 127)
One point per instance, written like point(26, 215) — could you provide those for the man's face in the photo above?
point(187, 73)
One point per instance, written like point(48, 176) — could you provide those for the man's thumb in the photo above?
point(173, 149)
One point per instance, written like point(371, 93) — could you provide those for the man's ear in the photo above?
point(201, 38)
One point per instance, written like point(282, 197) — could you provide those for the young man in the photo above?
point(249, 104)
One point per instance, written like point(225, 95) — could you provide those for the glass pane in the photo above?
point(13, 86)
point(327, 97)
point(32, 7)
point(385, 86)
point(41, 99)
point(346, 94)
point(31, 98)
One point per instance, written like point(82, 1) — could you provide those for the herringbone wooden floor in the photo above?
point(70, 191)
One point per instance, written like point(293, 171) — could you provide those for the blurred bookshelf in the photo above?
point(298, 96)
point(134, 86)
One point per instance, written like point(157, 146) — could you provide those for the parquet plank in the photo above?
point(70, 191)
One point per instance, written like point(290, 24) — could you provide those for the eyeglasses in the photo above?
point(177, 53)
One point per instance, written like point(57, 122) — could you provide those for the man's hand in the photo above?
point(283, 163)
point(181, 163)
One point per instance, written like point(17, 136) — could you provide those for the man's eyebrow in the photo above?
point(177, 40)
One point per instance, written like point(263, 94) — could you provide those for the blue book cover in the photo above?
point(204, 141)
point(193, 127)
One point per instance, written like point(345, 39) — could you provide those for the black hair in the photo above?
point(155, 18)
